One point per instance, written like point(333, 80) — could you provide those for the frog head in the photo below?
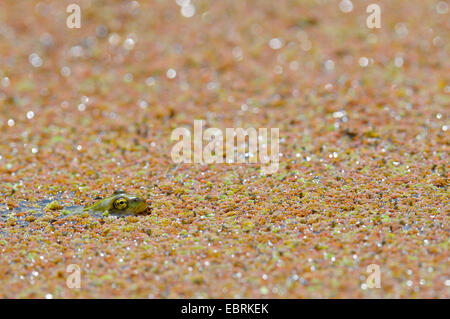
point(120, 204)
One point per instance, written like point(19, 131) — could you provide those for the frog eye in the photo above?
point(120, 203)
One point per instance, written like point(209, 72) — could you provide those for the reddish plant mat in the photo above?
point(363, 175)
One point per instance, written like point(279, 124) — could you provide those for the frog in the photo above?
point(119, 204)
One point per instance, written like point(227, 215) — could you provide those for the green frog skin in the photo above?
point(119, 204)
